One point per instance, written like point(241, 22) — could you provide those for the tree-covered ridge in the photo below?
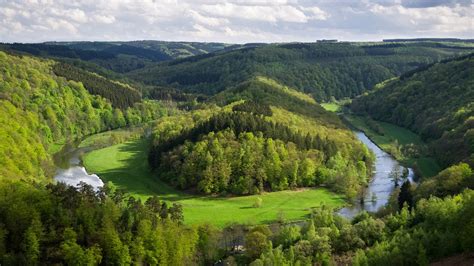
point(120, 95)
point(119, 57)
point(436, 102)
point(323, 70)
point(40, 109)
point(274, 139)
point(266, 91)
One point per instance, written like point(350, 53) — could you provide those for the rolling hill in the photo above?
point(322, 70)
point(273, 138)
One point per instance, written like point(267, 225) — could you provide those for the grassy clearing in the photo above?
point(332, 107)
point(111, 137)
point(427, 165)
point(126, 166)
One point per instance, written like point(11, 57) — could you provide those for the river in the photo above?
point(381, 185)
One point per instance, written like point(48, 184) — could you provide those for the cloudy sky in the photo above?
point(234, 21)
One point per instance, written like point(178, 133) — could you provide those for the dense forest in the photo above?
point(58, 224)
point(322, 70)
point(246, 148)
point(120, 95)
point(40, 109)
point(435, 101)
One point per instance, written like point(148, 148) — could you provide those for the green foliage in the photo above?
point(253, 108)
point(249, 164)
point(450, 181)
point(436, 103)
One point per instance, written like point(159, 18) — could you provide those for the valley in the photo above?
point(195, 153)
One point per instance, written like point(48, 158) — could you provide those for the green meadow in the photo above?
point(126, 166)
point(332, 107)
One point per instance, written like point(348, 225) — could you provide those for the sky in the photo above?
point(233, 21)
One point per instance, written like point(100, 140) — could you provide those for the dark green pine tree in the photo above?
point(405, 195)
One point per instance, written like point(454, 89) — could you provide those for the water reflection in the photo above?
point(70, 170)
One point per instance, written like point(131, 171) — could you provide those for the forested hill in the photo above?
point(120, 95)
point(274, 139)
point(267, 92)
point(39, 109)
point(437, 102)
point(323, 70)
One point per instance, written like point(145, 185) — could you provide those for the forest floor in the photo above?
point(126, 166)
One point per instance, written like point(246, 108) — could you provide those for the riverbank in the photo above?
point(391, 138)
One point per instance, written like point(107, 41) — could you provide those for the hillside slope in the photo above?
point(323, 70)
point(40, 109)
point(436, 102)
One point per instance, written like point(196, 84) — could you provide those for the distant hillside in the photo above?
point(322, 70)
point(265, 137)
point(437, 102)
point(120, 57)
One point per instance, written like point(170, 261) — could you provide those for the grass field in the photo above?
point(332, 107)
point(427, 165)
point(126, 166)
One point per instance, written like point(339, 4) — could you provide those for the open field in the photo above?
point(427, 165)
point(126, 166)
point(332, 107)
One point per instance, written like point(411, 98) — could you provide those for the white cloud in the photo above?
point(268, 13)
point(209, 21)
point(441, 19)
point(106, 19)
point(317, 13)
point(232, 20)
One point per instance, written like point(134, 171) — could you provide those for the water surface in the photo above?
point(381, 185)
